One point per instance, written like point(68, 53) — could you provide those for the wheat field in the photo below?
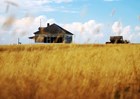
point(70, 71)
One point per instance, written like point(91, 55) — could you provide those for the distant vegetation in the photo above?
point(70, 71)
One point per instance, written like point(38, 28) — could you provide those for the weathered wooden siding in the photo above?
point(39, 39)
point(68, 39)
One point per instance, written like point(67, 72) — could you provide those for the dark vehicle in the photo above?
point(117, 40)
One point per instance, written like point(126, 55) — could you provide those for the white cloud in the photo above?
point(137, 32)
point(7, 5)
point(87, 32)
point(117, 27)
point(137, 28)
point(28, 25)
point(33, 6)
point(22, 28)
point(125, 31)
point(46, 6)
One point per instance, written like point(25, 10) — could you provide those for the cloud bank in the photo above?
point(87, 32)
point(90, 31)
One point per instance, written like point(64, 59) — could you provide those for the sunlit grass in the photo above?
point(70, 71)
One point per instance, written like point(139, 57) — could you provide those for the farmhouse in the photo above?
point(52, 34)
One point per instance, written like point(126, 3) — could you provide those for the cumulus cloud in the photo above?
point(137, 28)
point(117, 27)
point(87, 32)
point(28, 25)
point(125, 31)
point(21, 28)
point(8, 22)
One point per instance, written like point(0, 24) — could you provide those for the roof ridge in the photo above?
point(54, 27)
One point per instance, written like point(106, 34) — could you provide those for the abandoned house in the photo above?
point(52, 34)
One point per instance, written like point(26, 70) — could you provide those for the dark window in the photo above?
point(59, 40)
point(53, 39)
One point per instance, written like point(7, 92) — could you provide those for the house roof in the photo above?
point(53, 29)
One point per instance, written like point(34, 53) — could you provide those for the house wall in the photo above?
point(39, 39)
point(68, 39)
point(47, 38)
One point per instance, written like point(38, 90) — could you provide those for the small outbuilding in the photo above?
point(52, 34)
point(117, 40)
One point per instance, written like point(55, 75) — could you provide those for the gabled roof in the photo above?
point(53, 29)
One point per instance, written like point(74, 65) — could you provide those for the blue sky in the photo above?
point(92, 21)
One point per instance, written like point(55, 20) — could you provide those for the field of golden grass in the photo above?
point(70, 71)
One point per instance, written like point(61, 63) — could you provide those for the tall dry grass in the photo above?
point(70, 71)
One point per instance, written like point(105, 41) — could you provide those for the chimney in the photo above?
point(48, 24)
